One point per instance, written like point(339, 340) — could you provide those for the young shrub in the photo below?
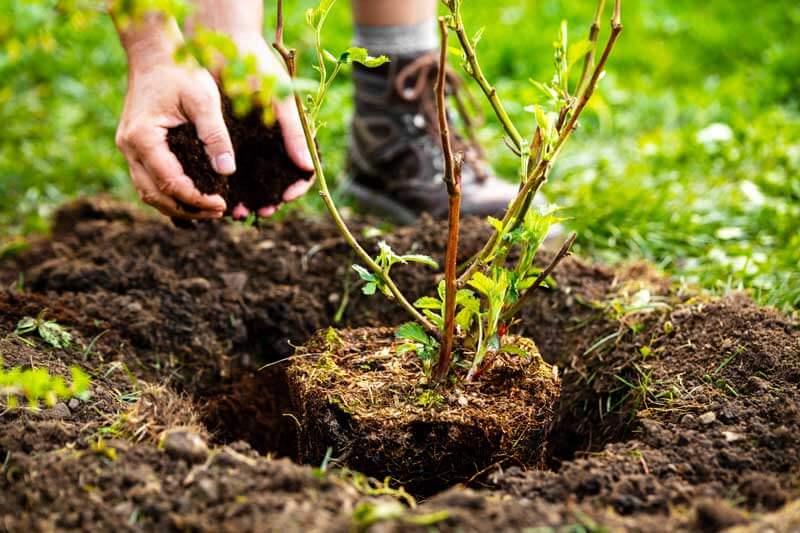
point(469, 318)
point(486, 397)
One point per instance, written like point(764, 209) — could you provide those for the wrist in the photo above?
point(151, 41)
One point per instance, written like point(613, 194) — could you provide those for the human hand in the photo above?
point(163, 94)
point(286, 114)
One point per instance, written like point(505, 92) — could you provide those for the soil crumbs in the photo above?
point(678, 411)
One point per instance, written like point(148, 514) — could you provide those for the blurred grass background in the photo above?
point(689, 156)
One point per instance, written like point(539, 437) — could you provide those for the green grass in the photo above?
point(641, 179)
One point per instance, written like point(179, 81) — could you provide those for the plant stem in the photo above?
point(288, 56)
point(476, 72)
point(585, 96)
point(512, 311)
point(588, 60)
point(539, 173)
point(452, 178)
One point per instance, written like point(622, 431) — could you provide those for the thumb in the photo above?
point(212, 131)
point(293, 136)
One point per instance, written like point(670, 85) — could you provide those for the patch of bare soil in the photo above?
point(677, 411)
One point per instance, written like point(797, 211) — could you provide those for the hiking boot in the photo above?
point(395, 154)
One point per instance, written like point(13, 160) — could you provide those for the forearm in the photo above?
point(242, 20)
point(150, 40)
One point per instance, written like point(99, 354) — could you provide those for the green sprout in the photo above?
point(50, 331)
point(37, 385)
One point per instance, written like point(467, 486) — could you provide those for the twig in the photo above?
point(583, 98)
point(539, 174)
point(288, 56)
point(476, 73)
point(562, 253)
point(588, 60)
point(452, 178)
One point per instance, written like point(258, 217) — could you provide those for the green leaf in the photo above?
point(359, 55)
point(436, 318)
point(478, 35)
point(419, 258)
point(26, 325)
point(54, 335)
point(468, 300)
point(441, 290)
point(495, 223)
point(414, 332)
point(577, 51)
point(369, 288)
point(464, 318)
point(365, 274)
point(513, 349)
point(481, 282)
point(407, 348)
point(428, 302)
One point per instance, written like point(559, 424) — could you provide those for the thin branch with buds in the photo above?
point(288, 56)
point(512, 311)
point(476, 72)
point(594, 32)
point(538, 175)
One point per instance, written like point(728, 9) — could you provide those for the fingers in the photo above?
point(152, 195)
point(205, 112)
point(267, 212)
point(297, 189)
point(293, 136)
point(157, 167)
point(240, 212)
point(168, 175)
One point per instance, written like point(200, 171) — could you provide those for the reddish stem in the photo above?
point(452, 178)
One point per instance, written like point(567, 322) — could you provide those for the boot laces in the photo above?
point(416, 83)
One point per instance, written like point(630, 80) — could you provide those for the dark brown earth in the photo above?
point(356, 398)
point(263, 168)
point(678, 411)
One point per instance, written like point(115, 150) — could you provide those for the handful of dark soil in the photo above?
point(263, 168)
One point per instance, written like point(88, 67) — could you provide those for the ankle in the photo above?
point(409, 40)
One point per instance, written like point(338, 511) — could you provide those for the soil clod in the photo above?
point(264, 169)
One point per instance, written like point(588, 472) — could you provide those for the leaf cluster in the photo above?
point(50, 331)
point(37, 385)
point(386, 259)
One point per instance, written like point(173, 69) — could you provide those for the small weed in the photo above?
point(100, 447)
point(430, 398)
point(37, 385)
point(368, 514)
point(50, 331)
point(720, 382)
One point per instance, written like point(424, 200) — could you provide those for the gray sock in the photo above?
point(412, 39)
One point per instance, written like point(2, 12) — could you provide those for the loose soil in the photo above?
point(264, 169)
point(358, 399)
point(677, 412)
